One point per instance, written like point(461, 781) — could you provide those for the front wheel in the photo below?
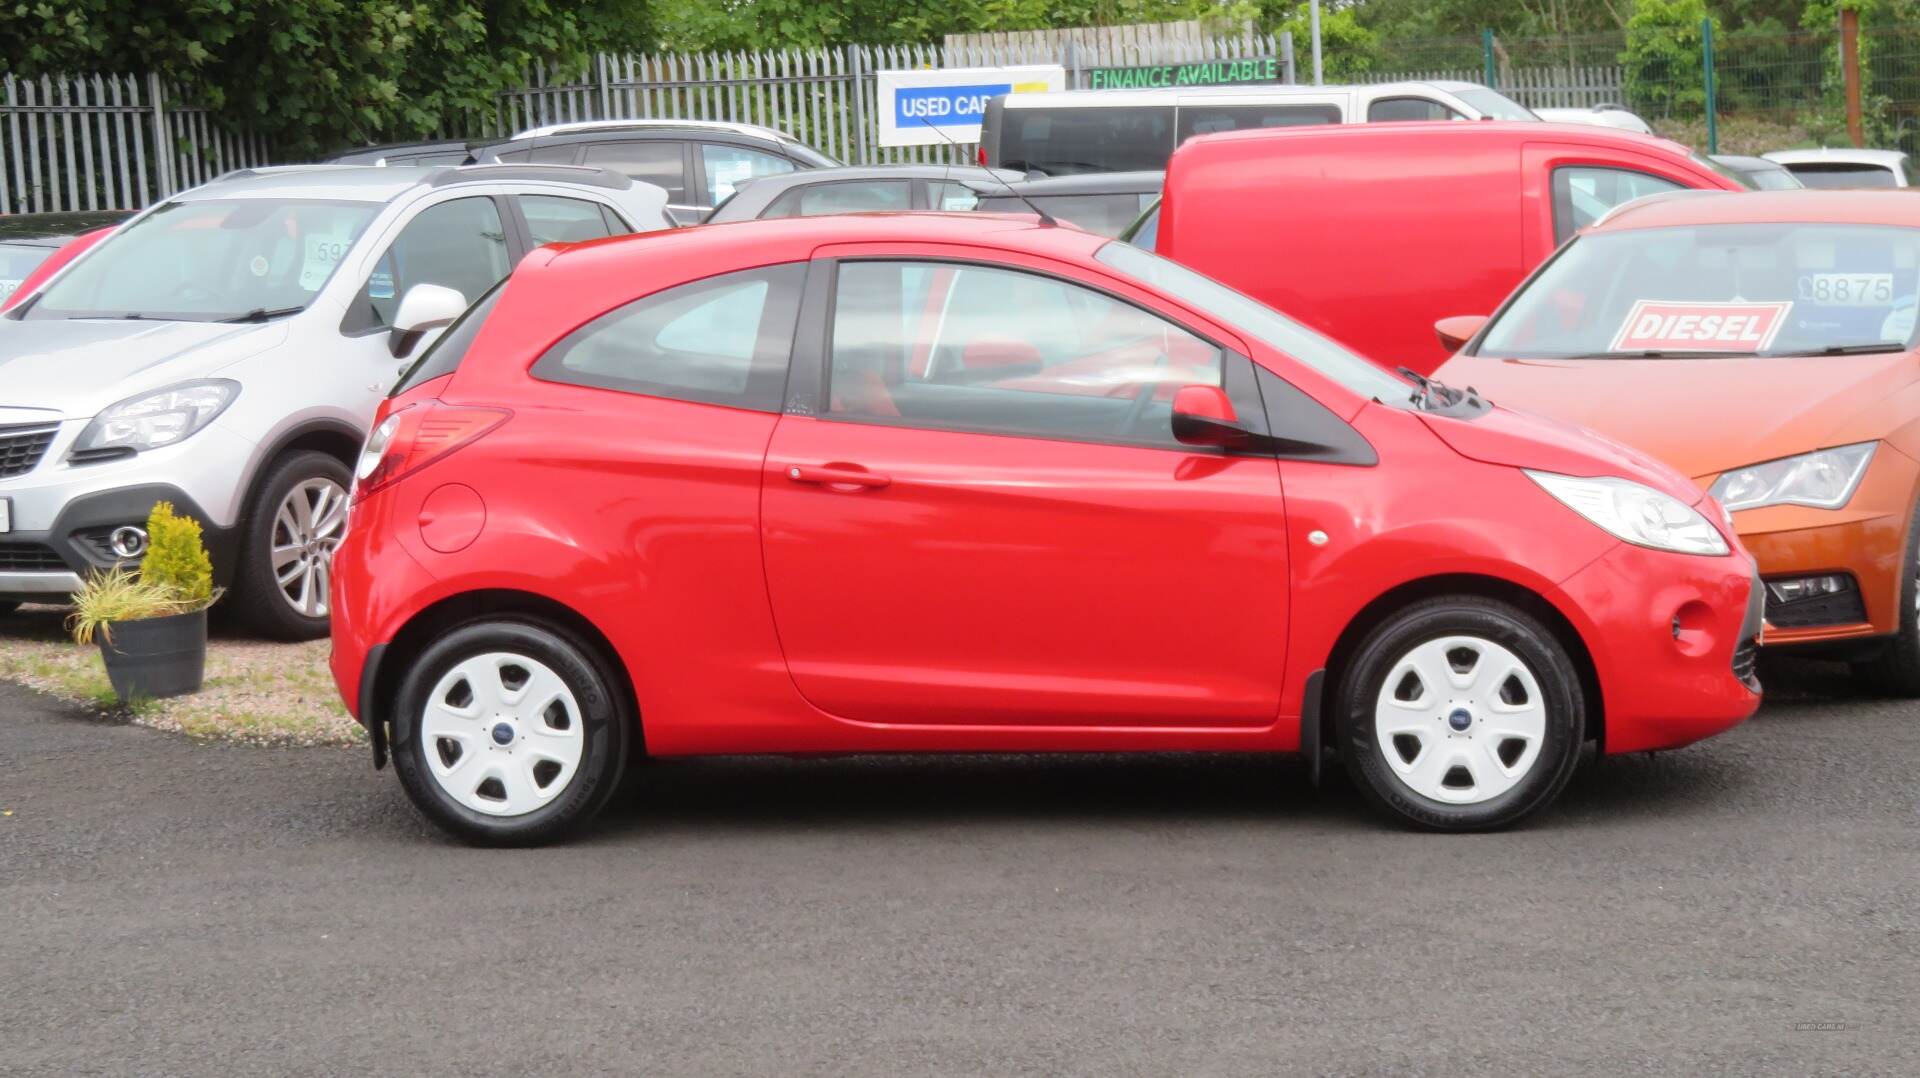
point(297, 515)
point(1895, 669)
point(508, 734)
point(1461, 714)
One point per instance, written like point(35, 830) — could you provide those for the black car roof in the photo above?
point(1086, 183)
point(366, 155)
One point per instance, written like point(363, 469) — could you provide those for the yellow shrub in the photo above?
point(176, 557)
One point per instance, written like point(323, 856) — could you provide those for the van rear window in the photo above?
point(1207, 119)
point(1066, 141)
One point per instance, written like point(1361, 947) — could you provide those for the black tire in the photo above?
point(8, 608)
point(257, 601)
point(607, 730)
point(1563, 728)
point(1894, 668)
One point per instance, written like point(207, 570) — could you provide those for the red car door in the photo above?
point(985, 519)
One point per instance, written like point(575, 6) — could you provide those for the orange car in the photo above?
point(1762, 343)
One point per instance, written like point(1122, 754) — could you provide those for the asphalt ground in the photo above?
point(1744, 906)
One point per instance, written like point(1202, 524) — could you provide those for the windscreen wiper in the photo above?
point(263, 314)
point(1431, 392)
point(1867, 349)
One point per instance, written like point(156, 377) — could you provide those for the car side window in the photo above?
point(552, 219)
point(948, 196)
point(813, 200)
point(1582, 194)
point(1389, 109)
point(460, 245)
point(729, 166)
point(723, 340)
point(959, 346)
point(660, 162)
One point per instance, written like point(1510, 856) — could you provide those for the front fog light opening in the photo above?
point(127, 541)
point(1799, 588)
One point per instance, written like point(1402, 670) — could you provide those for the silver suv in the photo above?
point(225, 351)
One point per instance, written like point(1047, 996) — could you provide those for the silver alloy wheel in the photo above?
point(1460, 719)
point(306, 528)
point(502, 734)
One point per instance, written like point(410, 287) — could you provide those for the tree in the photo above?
point(312, 75)
point(1665, 73)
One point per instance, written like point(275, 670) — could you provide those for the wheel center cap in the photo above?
point(503, 733)
point(1460, 718)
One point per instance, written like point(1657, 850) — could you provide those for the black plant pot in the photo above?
point(156, 657)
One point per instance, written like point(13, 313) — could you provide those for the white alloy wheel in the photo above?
point(306, 528)
point(1460, 719)
point(502, 734)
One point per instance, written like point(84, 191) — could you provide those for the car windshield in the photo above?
point(1844, 176)
point(1772, 179)
point(211, 260)
point(16, 261)
point(1493, 104)
point(1715, 290)
point(1256, 319)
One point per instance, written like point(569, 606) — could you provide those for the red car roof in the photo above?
point(1474, 132)
point(1861, 207)
point(793, 238)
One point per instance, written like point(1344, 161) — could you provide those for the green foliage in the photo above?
point(1665, 70)
point(784, 24)
point(312, 75)
point(176, 558)
point(118, 595)
point(1347, 48)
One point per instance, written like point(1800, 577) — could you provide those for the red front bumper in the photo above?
point(1665, 632)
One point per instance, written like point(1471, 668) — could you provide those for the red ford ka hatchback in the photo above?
point(977, 484)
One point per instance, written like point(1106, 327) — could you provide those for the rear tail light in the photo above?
point(980, 155)
point(416, 436)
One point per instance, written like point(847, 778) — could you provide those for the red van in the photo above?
point(1370, 233)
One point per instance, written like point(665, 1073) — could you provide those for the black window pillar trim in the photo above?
point(807, 365)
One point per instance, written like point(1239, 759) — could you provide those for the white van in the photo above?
point(1074, 131)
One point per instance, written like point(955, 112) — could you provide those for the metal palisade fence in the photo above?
point(827, 98)
point(108, 142)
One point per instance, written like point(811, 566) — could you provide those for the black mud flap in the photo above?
point(1310, 726)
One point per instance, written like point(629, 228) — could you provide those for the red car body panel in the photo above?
point(1372, 232)
point(928, 590)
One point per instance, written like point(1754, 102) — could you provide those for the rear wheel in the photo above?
point(293, 522)
point(1461, 714)
point(1895, 669)
point(508, 734)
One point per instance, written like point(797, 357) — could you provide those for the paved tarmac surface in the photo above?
point(1745, 906)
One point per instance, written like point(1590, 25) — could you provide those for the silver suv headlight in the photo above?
point(156, 419)
point(1824, 479)
point(1635, 512)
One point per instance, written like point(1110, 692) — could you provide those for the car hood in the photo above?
point(1702, 416)
point(79, 366)
point(1527, 440)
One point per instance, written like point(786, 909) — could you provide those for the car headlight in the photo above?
point(156, 419)
point(1824, 480)
point(1635, 512)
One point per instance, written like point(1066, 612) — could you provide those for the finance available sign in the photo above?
point(931, 108)
point(1250, 71)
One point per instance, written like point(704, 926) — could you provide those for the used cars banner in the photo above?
point(928, 108)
